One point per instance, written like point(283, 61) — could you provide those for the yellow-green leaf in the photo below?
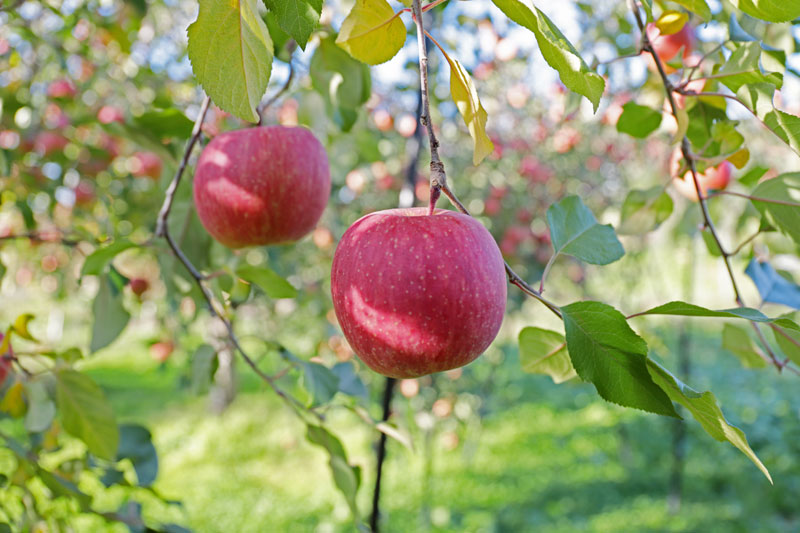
point(21, 326)
point(12, 402)
point(740, 158)
point(463, 92)
point(372, 32)
point(671, 22)
point(231, 54)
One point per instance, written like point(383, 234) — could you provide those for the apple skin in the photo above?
point(108, 114)
point(714, 178)
point(668, 46)
point(264, 185)
point(417, 294)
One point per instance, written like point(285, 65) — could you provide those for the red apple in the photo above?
point(417, 294)
point(146, 165)
point(84, 193)
point(62, 88)
point(108, 114)
point(139, 286)
point(383, 120)
point(160, 351)
point(261, 186)
point(714, 178)
point(668, 46)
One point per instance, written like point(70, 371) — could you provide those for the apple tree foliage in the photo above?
point(91, 135)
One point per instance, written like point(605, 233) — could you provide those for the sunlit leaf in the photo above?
point(298, 18)
point(266, 278)
point(371, 32)
point(705, 410)
point(736, 340)
point(638, 120)
point(770, 10)
point(542, 351)
point(231, 54)
point(671, 22)
point(86, 413)
point(606, 352)
point(783, 188)
point(574, 230)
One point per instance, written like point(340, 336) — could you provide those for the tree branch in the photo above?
point(162, 230)
point(690, 158)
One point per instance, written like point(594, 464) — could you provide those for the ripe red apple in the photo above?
point(146, 165)
point(108, 114)
point(138, 285)
point(62, 88)
point(160, 351)
point(261, 186)
point(714, 178)
point(668, 46)
point(417, 294)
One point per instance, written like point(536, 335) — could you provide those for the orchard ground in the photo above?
point(544, 458)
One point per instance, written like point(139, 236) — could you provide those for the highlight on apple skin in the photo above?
point(417, 294)
point(264, 185)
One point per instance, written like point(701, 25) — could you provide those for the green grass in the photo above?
point(541, 457)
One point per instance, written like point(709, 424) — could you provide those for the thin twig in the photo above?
point(745, 242)
point(285, 87)
point(163, 231)
point(438, 174)
point(161, 221)
point(753, 198)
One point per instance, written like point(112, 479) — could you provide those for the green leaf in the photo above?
point(203, 363)
point(789, 342)
point(557, 50)
point(678, 308)
point(606, 352)
point(41, 409)
point(699, 7)
point(349, 382)
point(166, 123)
point(785, 187)
point(298, 18)
point(231, 54)
point(638, 120)
point(575, 231)
point(270, 282)
point(86, 413)
point(644, 210)
point(752, 176)
point(542, 351)
point(97, 262)
point(785, 126)
point(743, 68)
point(770, 10)
point(344, 83)
point(110, 316)
point(705, 410)
point(136, 445)
point(371, 32)
point(465, 96)
point(736, 340)
point(320, 382)
point(347, 478)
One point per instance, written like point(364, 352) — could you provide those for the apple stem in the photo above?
point(438, 175)
point(686, 150)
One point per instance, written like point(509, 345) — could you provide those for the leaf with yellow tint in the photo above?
point(671, 22)
point(372, 33)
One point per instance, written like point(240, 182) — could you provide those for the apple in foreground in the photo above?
point(264, 185)
point(714, 178)
point(416, 293)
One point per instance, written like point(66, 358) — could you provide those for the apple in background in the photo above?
point(160, 351)
point(265, 185)
point(139, 286)
point(108, 114)
point(62, 88)
point(714, 178)
point(406, 125)
point(383, 120)
point(668, 46)
point(84, 193)
point(146, 165)
point(47, 143)
point(416, 293)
